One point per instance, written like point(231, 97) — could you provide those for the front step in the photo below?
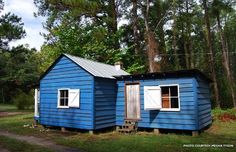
point(129, 126)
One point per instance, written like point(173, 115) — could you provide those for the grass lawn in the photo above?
point(7, 107)
point(11, 108)
point(218, 134)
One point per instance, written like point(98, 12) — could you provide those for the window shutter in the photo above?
point(152, 97)
point(74, 98)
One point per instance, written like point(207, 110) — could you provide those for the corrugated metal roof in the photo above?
point(97, 69)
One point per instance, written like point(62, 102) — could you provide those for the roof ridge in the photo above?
point(90, 60)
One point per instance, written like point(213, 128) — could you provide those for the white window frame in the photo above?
point(58, 98)
point(171, 109)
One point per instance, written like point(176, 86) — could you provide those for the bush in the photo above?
point(23, 100)
point(224, 115)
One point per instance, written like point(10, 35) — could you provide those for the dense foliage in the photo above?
point(156, 35)
point(19, 65)
point(147, 36)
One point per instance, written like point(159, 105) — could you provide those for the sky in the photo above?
point(33, 26)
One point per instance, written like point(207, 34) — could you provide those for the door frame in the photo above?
point(132, 83)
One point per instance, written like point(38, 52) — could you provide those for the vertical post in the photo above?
point(195, 133)
point(117, 128)
point(63, 129)
point(35, 102)
point(91, 132)
point(156, 131)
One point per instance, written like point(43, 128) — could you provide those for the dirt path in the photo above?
point(39, 141)
point(4, 114)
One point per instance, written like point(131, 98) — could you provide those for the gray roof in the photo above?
point(97, 69)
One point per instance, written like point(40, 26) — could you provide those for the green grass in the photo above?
point(12, 108)
point(217, 112)
point(20, 146)
point(219, 133)
point(7, 107)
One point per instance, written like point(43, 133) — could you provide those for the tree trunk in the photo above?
point(152, 51)
point(152, 44)
point(135, 27)
point(112, 13)
point(160, 33)
point(211, 55)
point(188, 42)
point(174, 43)
point(225, 61)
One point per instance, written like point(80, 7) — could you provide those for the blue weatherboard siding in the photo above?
point(204, 104)
point(105, 103)
point(66, 74)
point(184, 119)
point(102, 101)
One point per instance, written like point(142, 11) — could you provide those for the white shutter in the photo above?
point(74, 98)
point(152, 97)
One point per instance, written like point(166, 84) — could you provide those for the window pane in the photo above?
point(66, 93)
point(174, 103)
point(165, 103)
point(173, 91)
point(61, 102)
point(61, 93)
point(165, 91)
point(66, 102)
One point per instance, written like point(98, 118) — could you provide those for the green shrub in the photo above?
point(23, 100)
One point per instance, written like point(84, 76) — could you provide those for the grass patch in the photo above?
point(16, 145)
point(7, 107)
point(219, 133)
point(148, 142)
point(224, 115)
point(21, 124)
point(12, 108)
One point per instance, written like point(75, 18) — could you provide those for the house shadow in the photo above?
point(153, 115)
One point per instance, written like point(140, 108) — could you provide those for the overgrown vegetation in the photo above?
point(24, 101)
point(19, 65)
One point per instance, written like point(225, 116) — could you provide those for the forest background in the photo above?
point(147, 36)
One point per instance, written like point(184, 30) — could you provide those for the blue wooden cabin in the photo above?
point(80, 93)
point(168, 100)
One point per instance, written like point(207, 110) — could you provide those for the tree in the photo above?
point(135, 26)
point(211, 54)
point(18, 64)
point(11, 28)
point(217, 8)
point(171, 32)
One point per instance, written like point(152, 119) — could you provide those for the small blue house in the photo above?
point(77, 93)
point(167, 100)
point(80, 93)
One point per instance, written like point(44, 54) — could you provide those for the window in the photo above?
point(170, 97)
point(63, 97)
point(68, 98)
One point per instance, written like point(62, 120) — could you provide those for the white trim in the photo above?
point(171, 109)
point(58, 98)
